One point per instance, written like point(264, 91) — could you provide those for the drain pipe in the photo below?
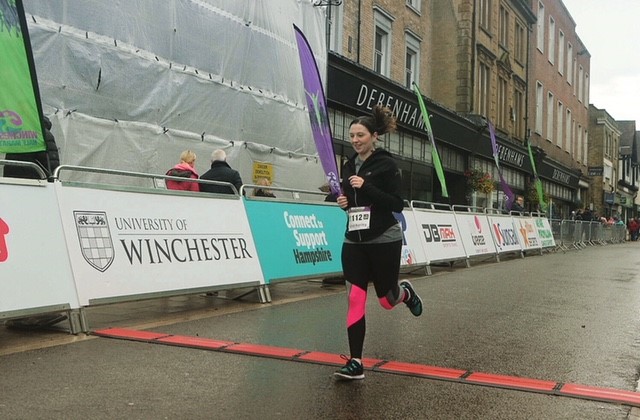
point(359, 23)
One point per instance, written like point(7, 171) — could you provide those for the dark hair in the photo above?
point(380, 121)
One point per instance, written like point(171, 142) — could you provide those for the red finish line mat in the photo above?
point(377, 365)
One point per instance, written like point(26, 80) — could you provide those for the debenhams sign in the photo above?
point(409, 114)
point(406, 112)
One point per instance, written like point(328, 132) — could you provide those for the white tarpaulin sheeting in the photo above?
point(133, 83)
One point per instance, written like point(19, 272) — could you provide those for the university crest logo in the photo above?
point(95, 238)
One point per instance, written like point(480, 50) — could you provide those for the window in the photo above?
point(518, 112)
point(485, 13)
point(484, 74)
point(579, 148)
point(503, 29)
point(580, 83)
point(569, 140)
point(574, 78)
point(539, 99)
point(552, 40)
point(540, 27)
point(586, 90)
point(559, 124)
point(412, 60)
point(335, 21)
point(451, 159)
point(561, 52)
point(414, 4)
point(382, 43)
point(585, 145)
point(550, 115)
point(502, 102)
point(519, 42)
point(569, 63)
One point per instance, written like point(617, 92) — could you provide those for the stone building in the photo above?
point(559, 104)
point(476, 62)
point(602, 155)
point(470, 62)
point(627, 188)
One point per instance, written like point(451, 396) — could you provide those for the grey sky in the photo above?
point(609, 31)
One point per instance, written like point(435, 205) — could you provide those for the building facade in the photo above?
point(602, 156)
point(559, 103)
point(464, 66)
point(627, 188)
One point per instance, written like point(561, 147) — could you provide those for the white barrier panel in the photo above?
point(545, 234)
point(34, 267)
point(123, 244)
point(412, 250)
point(475, 233)
point(439, 235)
point(527, 232)
point(504, 234)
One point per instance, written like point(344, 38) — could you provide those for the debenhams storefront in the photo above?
point(463, 143)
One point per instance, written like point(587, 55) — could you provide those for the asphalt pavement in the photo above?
point(568, 318)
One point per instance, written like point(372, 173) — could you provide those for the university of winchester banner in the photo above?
point(20, 123)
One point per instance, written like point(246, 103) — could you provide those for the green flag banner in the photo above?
point(20, 122)
point(434, 150)
point(537, 183)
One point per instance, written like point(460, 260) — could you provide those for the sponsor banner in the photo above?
point(527, 232)
point(545, 234)
point(34, 267)
point(296, 239)
point(475, 232)
point(504, 235)
point(439, 235)
point(412, 251)
point(20, 127)
point(124, 244)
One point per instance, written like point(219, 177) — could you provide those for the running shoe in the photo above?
point(352, 370)
point(414, 303)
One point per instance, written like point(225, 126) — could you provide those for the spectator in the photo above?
point(184, 169)
point(518, 205)
point(48, 159)
point(220, 171)
point(263, 192)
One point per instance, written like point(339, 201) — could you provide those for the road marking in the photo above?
point(593, 393)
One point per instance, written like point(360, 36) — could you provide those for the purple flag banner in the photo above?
point(318, 115)
point(503, 184)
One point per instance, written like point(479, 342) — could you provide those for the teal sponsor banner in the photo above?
point(20, 126)
point(296, 240)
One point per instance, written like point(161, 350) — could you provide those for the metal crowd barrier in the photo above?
point(30, 165)
point(578, 234)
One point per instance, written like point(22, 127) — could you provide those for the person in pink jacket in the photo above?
point(184, 169)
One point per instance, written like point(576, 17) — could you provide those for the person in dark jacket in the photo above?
point(220, 171)
point(371, 185)
point(48, 159)
point(518, 204)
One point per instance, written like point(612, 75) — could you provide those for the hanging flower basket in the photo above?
point(532, 194)
point(479, 181)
